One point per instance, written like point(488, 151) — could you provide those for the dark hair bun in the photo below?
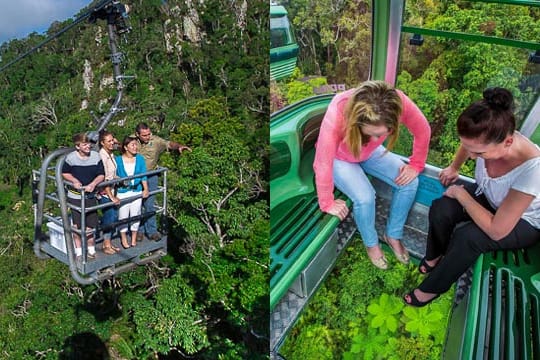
point(499, 98)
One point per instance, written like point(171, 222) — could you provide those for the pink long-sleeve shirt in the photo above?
point(331, 143)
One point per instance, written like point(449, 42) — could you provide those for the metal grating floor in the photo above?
point(290, 306)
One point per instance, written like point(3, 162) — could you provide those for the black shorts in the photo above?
point(91, 219)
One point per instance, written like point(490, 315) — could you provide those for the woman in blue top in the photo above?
point(130, 163)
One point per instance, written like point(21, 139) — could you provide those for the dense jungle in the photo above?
point(201, 79)
point(442, 76)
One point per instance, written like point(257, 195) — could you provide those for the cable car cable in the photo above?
point(85, 16)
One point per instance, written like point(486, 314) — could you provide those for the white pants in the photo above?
point(132, 208)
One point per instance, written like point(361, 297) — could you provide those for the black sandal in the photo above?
point(414, 300)
point(424, 267)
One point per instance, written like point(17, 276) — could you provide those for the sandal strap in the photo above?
point(402, 257)
point(414, 300)
point(109, 250)
point(428, 268)
point(381, 262)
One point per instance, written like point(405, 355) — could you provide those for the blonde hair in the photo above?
point(373, 103)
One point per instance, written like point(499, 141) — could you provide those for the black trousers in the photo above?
point(461, 245)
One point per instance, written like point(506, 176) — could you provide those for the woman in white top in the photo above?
point(129, 164)
point(107, 143)
point(501, 211)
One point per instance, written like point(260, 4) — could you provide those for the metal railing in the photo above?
point(50, 186)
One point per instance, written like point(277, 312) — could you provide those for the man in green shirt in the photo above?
point(151, 147)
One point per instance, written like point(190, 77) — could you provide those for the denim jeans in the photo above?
point(109, 216)
point(352, 180)
point(149, 225)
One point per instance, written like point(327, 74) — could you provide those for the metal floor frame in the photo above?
point(288, 310)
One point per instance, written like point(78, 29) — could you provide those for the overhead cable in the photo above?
point(98, 7)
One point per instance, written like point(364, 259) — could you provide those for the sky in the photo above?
point(19, 18)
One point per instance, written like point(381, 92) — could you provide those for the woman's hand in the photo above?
point(448, 175)
point(454, 191)
point(339, 209)
point(406, 175)
point(145, 193)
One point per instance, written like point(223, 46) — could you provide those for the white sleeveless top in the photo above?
point(524, 178)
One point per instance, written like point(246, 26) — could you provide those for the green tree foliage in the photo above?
point(202, 80)
point(303, 88)
point(227, 237)
point(371, 346)
point(359, 308)
point(384, 313)
point(317, 344)
point(329, 33)
point(443, 76)
point(170, 320)
point(220, 178)
point(424, 321)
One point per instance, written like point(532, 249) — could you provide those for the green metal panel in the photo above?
point(285, 126)
point(283, 46)
point(533, 3)
point(535, 137)
point(472, 37)
point(282, 69)
point(381, 14)
point(298, 229)
point(277, 10)
point(297, 111)
point(503, 321)
point(475, 307)
point(283, 61)
point(280, 159)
